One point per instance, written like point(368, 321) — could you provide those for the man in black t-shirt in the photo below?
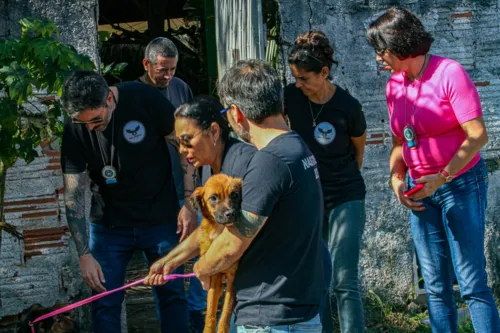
point(277, 240)
point(160, 63)
point(116, 136)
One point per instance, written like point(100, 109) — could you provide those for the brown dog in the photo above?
point(62, 323)
point(219, 201)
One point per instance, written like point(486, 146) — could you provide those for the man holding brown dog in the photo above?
point(277, 237)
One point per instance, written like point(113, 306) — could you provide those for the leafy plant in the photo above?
point(109, 69)
point(113, 70)
point(385, 308)
point(33, 68)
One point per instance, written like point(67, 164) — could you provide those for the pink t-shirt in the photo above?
point(447, 99)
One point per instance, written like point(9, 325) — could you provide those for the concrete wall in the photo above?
point(42, 267)
point(467, 31)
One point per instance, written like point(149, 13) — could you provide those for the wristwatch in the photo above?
point(448, 178)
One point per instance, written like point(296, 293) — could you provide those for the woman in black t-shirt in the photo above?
point(332, 124)
point(205, 139)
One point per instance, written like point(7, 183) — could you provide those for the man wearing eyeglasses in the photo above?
point(160, 63)
point(116, 136)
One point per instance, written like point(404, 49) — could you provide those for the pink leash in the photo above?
point(101, 295)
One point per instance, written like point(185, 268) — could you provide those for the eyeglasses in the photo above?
point(380, 53)
point(91, 121)
point(186, 142)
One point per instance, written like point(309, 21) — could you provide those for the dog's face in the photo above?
point(219, 199)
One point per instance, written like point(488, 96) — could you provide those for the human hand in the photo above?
point(187, 221)
point(431, 184)
point(399, 187)
point(157, 271)
point(92, 273)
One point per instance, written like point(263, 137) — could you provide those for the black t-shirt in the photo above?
point(280, 279)
point(330, 141)
point(177, 92)
point(237, 155)
point(145, 193)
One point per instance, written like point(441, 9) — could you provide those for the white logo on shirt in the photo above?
point(324, 133)
point(310, 162)
point(134, 131)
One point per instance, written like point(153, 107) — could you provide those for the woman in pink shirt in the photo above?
point(438, 129)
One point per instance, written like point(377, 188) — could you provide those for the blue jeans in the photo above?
point(196, 297)
point(310, 326)
point(449, 239)
point(346, 224)
point(112, 248)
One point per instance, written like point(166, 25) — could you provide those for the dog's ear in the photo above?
point(237, 183)
point(196, 199)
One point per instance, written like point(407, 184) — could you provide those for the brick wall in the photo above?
point(43, 266)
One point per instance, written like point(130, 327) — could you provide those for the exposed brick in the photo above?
point(41, 214)
point(31, 202)
point(53, 167)
point(29, 248)
point(45, 231)
point(31, 254)
point(48, 238)
point(482, 84)
point(50, 152)
point(47, 98)
point(460, 15)
point(375, 142)
point(21, 209)
point(378, 135)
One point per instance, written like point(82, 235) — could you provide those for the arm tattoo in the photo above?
point(74, 200)
point(190, 178)
point(248, 224)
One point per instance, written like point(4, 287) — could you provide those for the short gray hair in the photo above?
point(160, 46)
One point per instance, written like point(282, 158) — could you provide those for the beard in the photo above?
point(243, 134)
point(239, 130)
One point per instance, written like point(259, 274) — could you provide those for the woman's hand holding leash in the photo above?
point(157, 271)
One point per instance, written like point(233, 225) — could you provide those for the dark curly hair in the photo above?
point(311, 52)
point(400, 32)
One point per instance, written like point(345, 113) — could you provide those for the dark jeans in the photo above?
point(449, 238)
point(311, 326)
point(113, 248)
point(346, 223)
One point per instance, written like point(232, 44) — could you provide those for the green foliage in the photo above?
point(34, 64)
point(110, 69)
point(113, 70)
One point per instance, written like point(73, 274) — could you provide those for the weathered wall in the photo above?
point(467, 31)
point(42, 268)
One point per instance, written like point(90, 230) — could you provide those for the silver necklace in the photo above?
point(312, 115)
point(108, 171)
